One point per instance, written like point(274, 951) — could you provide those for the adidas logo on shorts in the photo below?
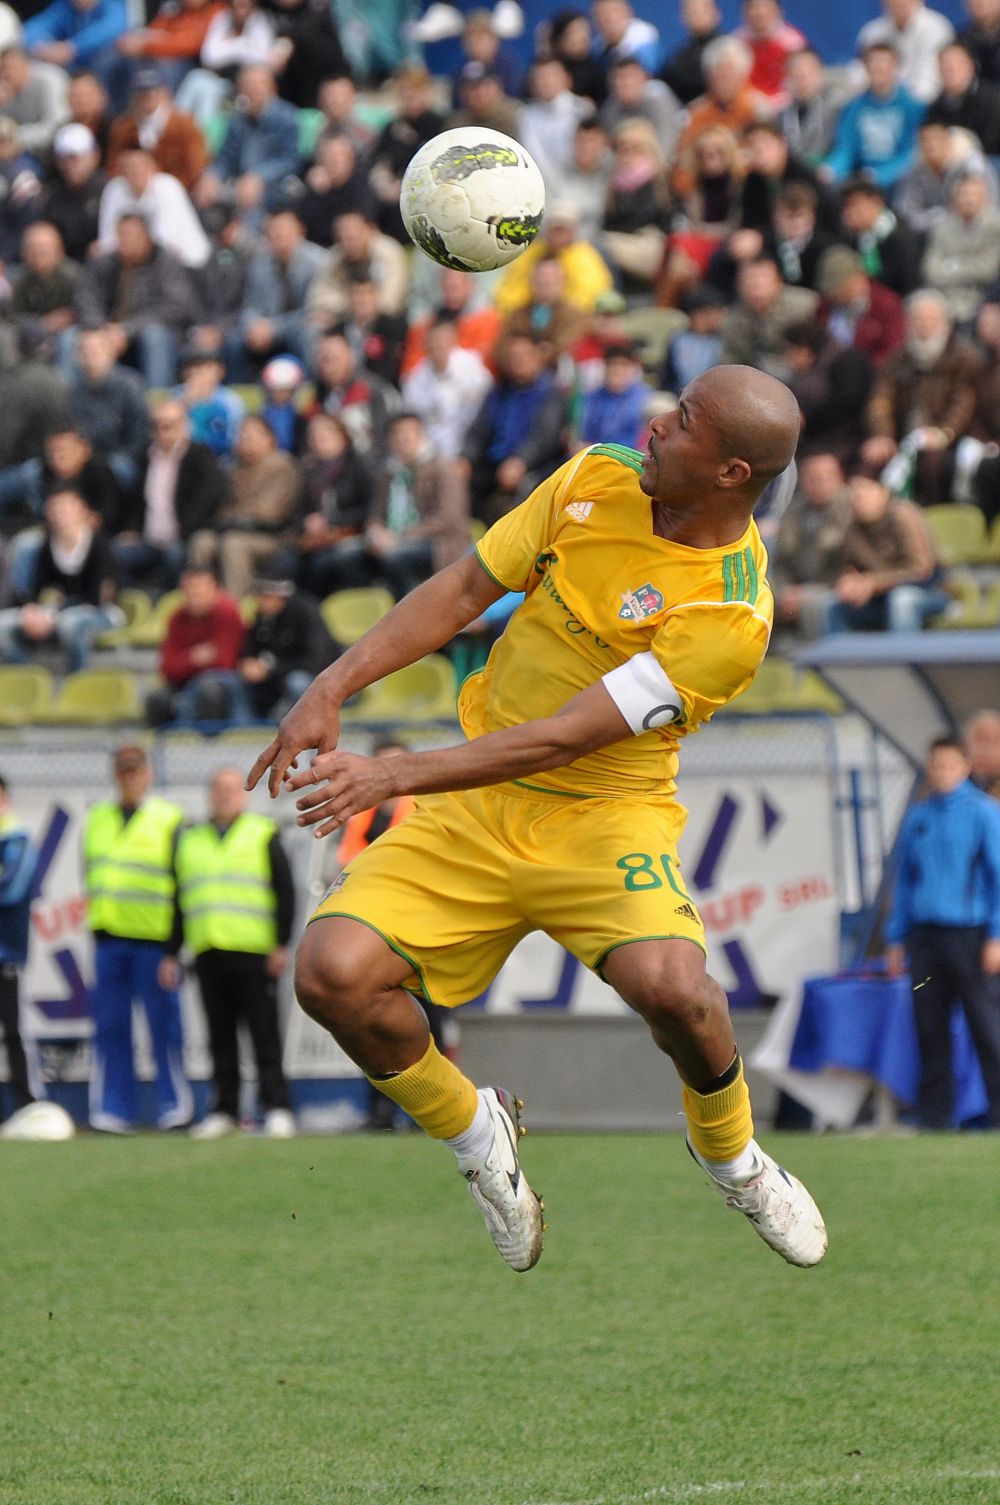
point(686, 911)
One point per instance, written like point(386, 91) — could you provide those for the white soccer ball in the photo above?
point(38, 1121)
point(472, 199)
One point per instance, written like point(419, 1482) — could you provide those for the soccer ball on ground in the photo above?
point(472, 199)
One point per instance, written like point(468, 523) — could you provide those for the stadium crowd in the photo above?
point(222, 364)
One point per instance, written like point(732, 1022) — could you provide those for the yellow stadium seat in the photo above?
point(151, 632)
point(477, 529)
point(25, 695)
point(959, 532)
point(348, 614)
point(96, 697)
point(248, 609)
point(966, 607)
point(812, 693)
point(138, 608)
point(424, 691)
point(771, 689)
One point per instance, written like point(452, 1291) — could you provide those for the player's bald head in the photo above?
point(754, 416)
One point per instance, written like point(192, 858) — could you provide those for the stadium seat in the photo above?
point(150, 632)
point(348, 614)
point(477, 529)
point(138, 608)
point(25, 695)
point(812, 693)
point(248, 609)
point(966, 607)
point(95, 697)
point(958, 531)
point(424, 691)
point(772, 689)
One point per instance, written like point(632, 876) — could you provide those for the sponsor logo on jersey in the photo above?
point(644, 601)
point(579, 511)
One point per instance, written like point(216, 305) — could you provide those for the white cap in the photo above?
point(283, 371)
point(74, 140)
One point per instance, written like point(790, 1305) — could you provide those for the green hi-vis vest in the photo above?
point(226, 893)
point(129, 870)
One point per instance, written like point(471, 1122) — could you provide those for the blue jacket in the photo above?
point(90, 31)
point(18, 861)
point(268, 146)
point(877, 136)
point(614, 417)
point(949, 864)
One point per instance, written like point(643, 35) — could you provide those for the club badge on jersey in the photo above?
point(644, 601)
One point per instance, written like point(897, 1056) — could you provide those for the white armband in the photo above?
point(644, 694)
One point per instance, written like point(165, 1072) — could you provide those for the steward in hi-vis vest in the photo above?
point(128, 860)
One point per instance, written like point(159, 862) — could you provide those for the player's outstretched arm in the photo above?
point(347, 783)
point(423, 621)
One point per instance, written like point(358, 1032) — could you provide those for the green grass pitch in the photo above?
point(325, 1322)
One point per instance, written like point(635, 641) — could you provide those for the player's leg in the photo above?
point(220, 1006)
point(112, 1068)
point(979, 994)
point(934, 993)
point(665, 980)
point(174, 1099)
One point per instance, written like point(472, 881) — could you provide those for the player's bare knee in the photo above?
point(672, 997)
point(329, 980)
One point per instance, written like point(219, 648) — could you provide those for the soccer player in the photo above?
point(646, 609)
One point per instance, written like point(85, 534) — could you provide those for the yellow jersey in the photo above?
point(600, 588)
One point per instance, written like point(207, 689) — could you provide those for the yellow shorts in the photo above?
point(462, 879)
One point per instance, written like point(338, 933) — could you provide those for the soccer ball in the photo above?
point(472, 199)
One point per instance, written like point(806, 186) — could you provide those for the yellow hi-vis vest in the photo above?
point(226, 893)
point(129, 870)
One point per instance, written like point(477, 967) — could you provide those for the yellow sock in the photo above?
point(434, 1093)
point(720, 1124)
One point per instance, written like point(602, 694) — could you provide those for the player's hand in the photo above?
point(169, 973)
point(277, 962)
point(895, 961)
point(991, 958)
point(346, 784)
point(313, 721)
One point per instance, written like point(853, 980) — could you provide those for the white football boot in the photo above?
point(511, 1210)
point(778, 1207)
point(279, 1123)
point(215, 1126)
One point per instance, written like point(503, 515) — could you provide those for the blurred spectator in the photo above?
point(33, 397)
point(143, 298)
point(68, 462)
point(419, 520)
point(201, 648)
point(924, 397)
point(517, 435)
point(108, 404)
point(481, 43)
point(89, 105)
point(20, 189)
point(831, 384)
point(856, 311)
point(753, 331)
point(260, 150)
point(889, 249)
point(794, 240)
point(714, 168)
point(977, 457)
point(809, 119)
point(241, 35)
point(771, 42)
point(549, 119)
point(981, 737)
point(807, 555)
point(587, 274)
point(916, 35)
point(729, 99)
point(76, 34)
point(18, 867)
point(946, 915)
point(399, 140)
point(446, 387)
point(336, 493)
point(683, 72)
point(477, 328)
point(153, 125)
point(71, 599)
point(255, 520)
point(357, 244)
point(634, 95)
point(287, 645)
point(482, 101)
point(771, 166)
point(982, 37)
point(378, 339)
point(234, 909)
point(215, 412)
point(966, 99)
point(570, 40)
point(43, 299)
point(71, 200)
point(945, 154)
point(877, 130)
point(220, 284)
point(282, 379)
point(962, 257)
point(172, 41)
point(549, 313)
point(887, 579)
point(583, 182)
point(338, 104)
point(615, 412)
point(160, 201)
point(279, 278)
point(306, 50)
point(637, 215)
point(33, 95)
point(699, 346)
point(345, 388)
point(621, 33)
point(178, 492)
point(336, 183)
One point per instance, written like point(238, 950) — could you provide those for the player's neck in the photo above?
point(698, 529)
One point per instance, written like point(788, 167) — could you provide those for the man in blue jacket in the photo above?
point(17, 873)
point(78, 34)
point(946, 915)
point(877, 131)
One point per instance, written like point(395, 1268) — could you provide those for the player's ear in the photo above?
point(735, 473)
